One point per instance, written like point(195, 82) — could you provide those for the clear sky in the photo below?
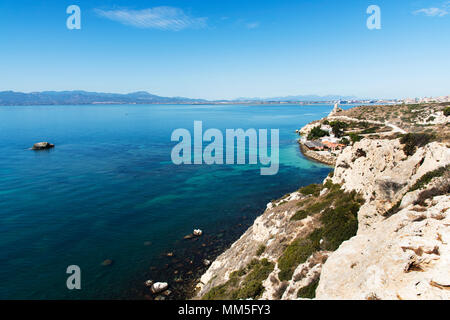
point(227, 49)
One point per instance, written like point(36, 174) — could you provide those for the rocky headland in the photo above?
point(378, 227)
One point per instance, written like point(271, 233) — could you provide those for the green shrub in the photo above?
point(308, 292)
point(421, 183)
point(393, 210)
point(245, 283)
point(260, 250)
point(252, 286)
point(296, 253)
point(319, 206)
point(354, 137)
point(312, 189)
point(411, 141)
point(341, 222)
point(447, 111)
point(316, 235)
point(317, 133)
point(370, 130)
point(329, 183)
point(364, 124)
point(252, 289)
point(338, 128)
point(345, 141)
point(427, 177)
point(224, 291)
point(431, 193)
point(217, 293)
point(299, 215)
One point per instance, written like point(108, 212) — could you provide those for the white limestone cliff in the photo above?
point(404, 256)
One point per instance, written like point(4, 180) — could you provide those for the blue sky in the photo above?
point(227, 49)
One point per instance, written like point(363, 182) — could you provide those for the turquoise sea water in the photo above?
point(110, 191)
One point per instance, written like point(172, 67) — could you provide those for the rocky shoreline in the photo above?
point(315, 156)
point(183, 265)
point(377, 228)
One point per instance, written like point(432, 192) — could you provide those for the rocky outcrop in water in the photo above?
point(158, 287)
point(42, 146)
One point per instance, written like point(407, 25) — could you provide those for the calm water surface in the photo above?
point(109, 191)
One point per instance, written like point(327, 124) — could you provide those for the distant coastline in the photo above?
point(12, 98)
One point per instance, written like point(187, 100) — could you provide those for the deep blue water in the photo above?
point(109, 188)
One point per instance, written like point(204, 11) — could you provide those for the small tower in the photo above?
point(335, 110)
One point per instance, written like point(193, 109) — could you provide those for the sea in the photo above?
point(109, 199)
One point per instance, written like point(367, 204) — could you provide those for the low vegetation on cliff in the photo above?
point(412, 141)
point(245, 283)
point(309, 291)
point(426, 194)
point(338, 222)
point(377, 226)
point(413, 118)
point(336, 214)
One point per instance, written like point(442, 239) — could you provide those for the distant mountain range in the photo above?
point(84, 97)
point(12, 98)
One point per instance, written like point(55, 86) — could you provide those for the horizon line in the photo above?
point(341, 96)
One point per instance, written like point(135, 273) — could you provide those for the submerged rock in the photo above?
point(42, 146)
point(107, 262)
point(149, 283)
point(198, 232)
point(206, 262)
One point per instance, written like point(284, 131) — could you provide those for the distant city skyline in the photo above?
point(13, 98)
point(228, 49)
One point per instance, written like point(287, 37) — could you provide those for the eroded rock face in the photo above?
point(305, 274)
point(383, 173)
point(406, 256)
point(274, 230)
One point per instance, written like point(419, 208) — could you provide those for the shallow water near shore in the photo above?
point(110, 191)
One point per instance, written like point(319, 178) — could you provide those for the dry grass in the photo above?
point(406, 117)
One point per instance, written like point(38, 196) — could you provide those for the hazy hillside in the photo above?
point(84, 97)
